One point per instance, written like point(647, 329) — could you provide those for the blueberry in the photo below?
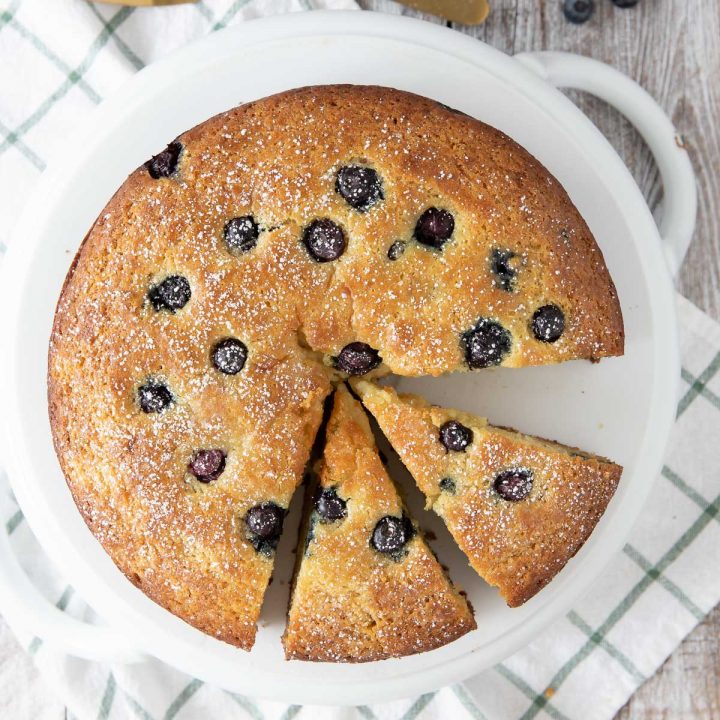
point(434, 227)
point(396, 250)
point(578, 11)
point(514, 484)
point(448, 485)
point(165, 163)
point(329, 505)
point(265, 520)
point(207, 465)
point(171, 294)
point(264, 524)
point(324, 240)
point(229, 356)
point(357, 358)
point(391, 534)
point(548, 323)
point(360, 186)
point(502, 268)
point(625, 3)
point(488, 343)
point(154, 396)
point(241, 233)
point(455, 436)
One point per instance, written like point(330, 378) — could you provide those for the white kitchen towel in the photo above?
point(58, 58)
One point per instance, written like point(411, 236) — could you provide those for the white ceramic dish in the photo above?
point(622, 408)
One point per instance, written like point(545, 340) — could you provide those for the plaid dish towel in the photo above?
point(58, 58)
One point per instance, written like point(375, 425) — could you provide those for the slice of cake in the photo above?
point(366, 586)
point(519, 507)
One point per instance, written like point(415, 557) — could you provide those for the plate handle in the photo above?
point(24, 607)
point(677, 223)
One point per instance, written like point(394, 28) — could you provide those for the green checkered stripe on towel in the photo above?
point(599, 638)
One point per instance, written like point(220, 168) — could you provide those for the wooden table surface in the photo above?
point(672, 48)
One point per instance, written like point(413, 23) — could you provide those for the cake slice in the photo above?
point(366, 585)
point(518, 506)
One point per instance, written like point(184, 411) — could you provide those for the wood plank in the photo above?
point(673, 50)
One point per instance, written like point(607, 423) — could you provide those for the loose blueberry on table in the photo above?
point(578, 11)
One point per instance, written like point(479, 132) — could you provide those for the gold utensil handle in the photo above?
point(468, 12)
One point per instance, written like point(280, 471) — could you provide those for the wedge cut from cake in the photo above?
point(366, 586)
point(518, 506)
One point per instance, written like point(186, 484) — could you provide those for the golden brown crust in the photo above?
point(517, 546)
point(276, 159)
point(351, 603)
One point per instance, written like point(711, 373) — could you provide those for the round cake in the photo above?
point(259, 259)
point(366, 585)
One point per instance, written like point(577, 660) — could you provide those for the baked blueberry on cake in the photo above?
point(518, 506)
point(366, 587)
point(263, 256)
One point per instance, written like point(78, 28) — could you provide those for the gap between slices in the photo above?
point(366, 585)
point(518, 506)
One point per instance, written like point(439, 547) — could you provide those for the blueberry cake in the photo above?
point(367, 586)
point(264, 255)
point(518, 506)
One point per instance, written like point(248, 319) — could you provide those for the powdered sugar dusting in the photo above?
point(276, 160)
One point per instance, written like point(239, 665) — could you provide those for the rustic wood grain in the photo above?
point(672, 48)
